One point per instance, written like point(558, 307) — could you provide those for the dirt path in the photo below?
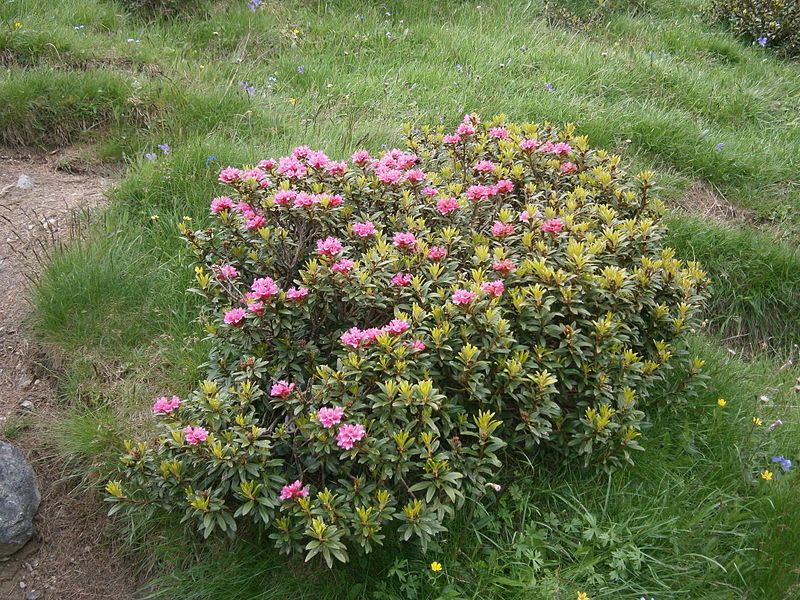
point(71, 557)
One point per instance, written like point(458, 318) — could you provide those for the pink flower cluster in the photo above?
point(235, 317)
point(447, 205)
point(328, 417)
point(561, 148)
point(553, 225)
point(281, 389)
point(349, 435)
point(493, 288)
point(329, 246)
point(221, 203)
point(361, 338)
point(437, 252)
point(264, 288)
point(463, 297)
point(504, 266)
point(164, 405)
point(194, 435)
point(343, 266)
point(396, 166)
point(293, 491)
point(500, 229)
point(402, 279)
point(365, 229)
point(405, 240)
point(296, 294)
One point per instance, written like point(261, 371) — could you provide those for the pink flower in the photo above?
point(389, 176)
point(365, 229)
point(343, 266)
point(194, 435)
point(504, 266)
point(463, 297)
point(164, 405)
point(291, 167)
point(352, 337)
point(257, 308)
point(451, 140)
point(296, 294)
point(447, 205)
point(303, 200)
point(257, 175)
point(504, 186)
point(293, 491)
point(568, 167)
point(230, 175)
point(284, 197)
point(267, 164)
point(402, 279)
point(430, 192)
point(562, 148)
point(415, 175)
point(404, 240)
point(397, 326)
point(329, 246)
point(500, 229)
point(500, 133)
point(281, 389)
point(235, 317)
point(221, 203)
point(480, 192)
point(493, 288)
point(524, 216)
point(331, 201)
point(361, 157)
point(348, 435)
point(553, 225)
point(317, 160)
point(336, 168)
point(227, 272)
point(406, 160)
point(264, 288)
point(529, 145)
point(465, 129)
point(255, 222)
point(485, 166)
point(301, 152)
point(328, 417)
point(417, 345)
point(437, 253)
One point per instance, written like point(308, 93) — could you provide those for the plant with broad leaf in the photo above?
point(382, 328)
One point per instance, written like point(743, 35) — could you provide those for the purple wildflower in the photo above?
point(549, 86)
point(150, 156)
point(164, 148)
point(784, 462)
point(762, 41)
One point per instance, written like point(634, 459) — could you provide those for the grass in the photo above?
point(652, 80)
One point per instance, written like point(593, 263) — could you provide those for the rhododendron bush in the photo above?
point(383, 327)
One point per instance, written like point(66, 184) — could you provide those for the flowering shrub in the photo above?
point(383, 327)
point(773, 23)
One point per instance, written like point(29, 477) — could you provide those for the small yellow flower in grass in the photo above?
point(721, 402)
point(17, 24)
point(186, 218)
point(757, 422)
point(766, 475)
point(293, 101)
point(436, 566)
point(583, 596)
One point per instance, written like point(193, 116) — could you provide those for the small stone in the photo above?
point(19, 499)
point(27, 405)
point(33, 595)
point(24, 182)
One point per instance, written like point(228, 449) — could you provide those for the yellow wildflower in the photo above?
point(17, 24)
point(293, 101)
point(436, 566)
point(722, 402)
point(766, 475)
point(757, 422)
point(583, 596)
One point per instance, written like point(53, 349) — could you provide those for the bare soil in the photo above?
point(701, 200)
point(73, 555)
